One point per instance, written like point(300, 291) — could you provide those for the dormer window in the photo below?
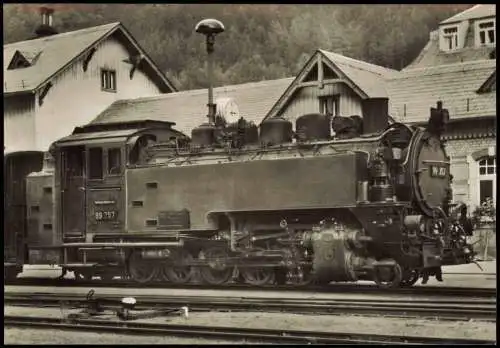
point(485, 33)
point(450, 38)
point(23, 60)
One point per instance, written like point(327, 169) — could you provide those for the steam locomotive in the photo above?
point(338, 199)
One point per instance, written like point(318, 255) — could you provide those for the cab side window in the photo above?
point(75, 159)
point(114, 161)
point(95, 163)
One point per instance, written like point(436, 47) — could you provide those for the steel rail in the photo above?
point(330, 288)
point(444, 310)
point(228, 333)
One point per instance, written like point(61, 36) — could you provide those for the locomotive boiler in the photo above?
point(336, 199)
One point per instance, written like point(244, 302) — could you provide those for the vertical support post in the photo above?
point(320, 72)
point(211, 105)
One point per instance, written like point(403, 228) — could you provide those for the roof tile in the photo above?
point(414, 91)
point(477, 11)
point(188, 108)
point(368, 77)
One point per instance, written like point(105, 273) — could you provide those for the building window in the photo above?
point(95, 163)
point(450, 36)
point(114, 161)
point(486, 33)
point(108, 80)
point(329, 105)
point(487, 179)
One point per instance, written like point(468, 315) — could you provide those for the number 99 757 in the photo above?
point(105, 215)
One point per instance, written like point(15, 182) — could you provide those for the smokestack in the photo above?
point(375, 115)
point(46, 26)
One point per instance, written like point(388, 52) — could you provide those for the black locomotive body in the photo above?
point(146, 202)
point(17, 165)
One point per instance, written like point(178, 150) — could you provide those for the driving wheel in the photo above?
point(140, 270)
point(388, 276)
point(257, 276)
point(217, 271)
point(181, 272)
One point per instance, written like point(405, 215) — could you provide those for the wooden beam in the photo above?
point(325, 82)
point(135, 61)
point(284, 98)
point(44, 92)
point(87, 59)
point(320, 71)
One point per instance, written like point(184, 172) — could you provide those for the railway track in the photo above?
point(442, 309)
point(228, 333)
point(331, 288)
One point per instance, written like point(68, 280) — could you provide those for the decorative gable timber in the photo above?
point(318, 71)
point(147, 63)
point(43, 93)
point(135, 61)
point(88, 57)
point(489, 85)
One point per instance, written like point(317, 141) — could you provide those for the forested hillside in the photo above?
point(260, 42)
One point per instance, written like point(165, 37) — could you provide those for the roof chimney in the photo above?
point(45, 28)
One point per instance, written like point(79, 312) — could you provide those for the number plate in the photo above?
point(438, 171)
point(107, 215)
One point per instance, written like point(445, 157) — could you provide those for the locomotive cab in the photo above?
point(91, 177)
point(88, 193)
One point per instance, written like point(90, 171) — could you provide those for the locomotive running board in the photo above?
point(123, 245)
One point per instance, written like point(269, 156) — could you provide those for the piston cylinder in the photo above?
point(335, 258)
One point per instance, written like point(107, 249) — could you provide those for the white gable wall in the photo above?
point(19, 122)
point(76, 96)
point(306, 101)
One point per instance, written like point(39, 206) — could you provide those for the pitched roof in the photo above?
point(58, 51)
point(414, 91)
point(368, 77)
point(188, 108)
point(431, 55)
point(490, 84)
point(477, 11)
point(367, 80)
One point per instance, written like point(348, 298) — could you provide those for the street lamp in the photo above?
point(210, 28)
